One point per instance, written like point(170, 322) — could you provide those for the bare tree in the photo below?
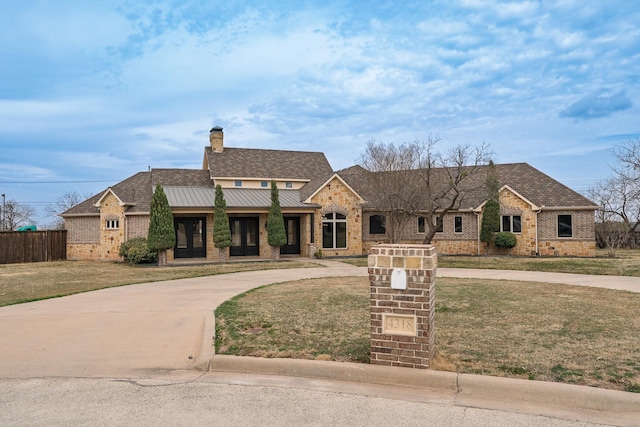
point(413, 179)
point(613, 226)
point(15, 215)
point(619, 198)
point(62, 204)
point(446, 179)
point(628, 153)
point(391, 184)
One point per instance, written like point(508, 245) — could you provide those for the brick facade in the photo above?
point(544, 224)
point(412, 345)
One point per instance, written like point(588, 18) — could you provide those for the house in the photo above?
point(322, 209)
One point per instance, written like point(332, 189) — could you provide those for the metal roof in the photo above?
point(203, 197)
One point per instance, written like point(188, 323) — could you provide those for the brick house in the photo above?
point(322, 209)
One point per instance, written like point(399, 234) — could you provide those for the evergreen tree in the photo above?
point(276, 235)
point(221, 231)
point(491, 213)
point(161, 235)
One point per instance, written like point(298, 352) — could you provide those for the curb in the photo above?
point(565, 401)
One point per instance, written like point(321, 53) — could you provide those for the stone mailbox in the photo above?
point(402, 279)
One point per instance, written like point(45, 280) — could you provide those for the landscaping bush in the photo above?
point(505, 239)
point(136, 251)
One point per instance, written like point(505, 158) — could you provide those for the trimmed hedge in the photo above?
point(135, 251)
point(506, 239)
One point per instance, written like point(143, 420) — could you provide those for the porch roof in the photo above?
point(203, 197)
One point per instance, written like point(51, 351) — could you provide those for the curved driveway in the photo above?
point(155, 334)
point(166, 325)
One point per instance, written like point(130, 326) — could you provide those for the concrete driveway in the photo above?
point(129, 329)
point(131, 351)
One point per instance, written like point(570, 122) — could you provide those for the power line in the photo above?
point(57, 182)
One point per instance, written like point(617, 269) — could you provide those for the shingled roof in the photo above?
point(137, 190)
point(266, 164)
point(535, 186)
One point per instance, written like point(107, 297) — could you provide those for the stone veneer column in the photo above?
point(402, 320)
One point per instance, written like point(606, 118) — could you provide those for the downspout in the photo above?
point(478, 225)
point(537, 211)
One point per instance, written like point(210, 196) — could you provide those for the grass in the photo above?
point(537, 331)
point(30, 282)
point(309, 319)
point(626, 263)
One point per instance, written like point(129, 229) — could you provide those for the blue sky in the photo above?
point(93, 92)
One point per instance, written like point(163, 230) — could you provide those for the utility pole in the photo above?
point(3, 211)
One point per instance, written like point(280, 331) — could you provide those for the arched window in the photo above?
point(334, 231)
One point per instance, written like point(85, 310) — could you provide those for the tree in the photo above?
point(221, 231)
point(276, 235)
point(161, 234)
point(15, 214)
point(491, 212)
point(618, 213)
point(64, 203)
point(390, 184)
point(413, 179)
point(619, 199)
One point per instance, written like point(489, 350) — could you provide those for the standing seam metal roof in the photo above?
point(203, 197)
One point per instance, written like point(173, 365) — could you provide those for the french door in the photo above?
point(245, 234)
point(190, 237)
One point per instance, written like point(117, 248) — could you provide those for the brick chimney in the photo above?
point(216, 138)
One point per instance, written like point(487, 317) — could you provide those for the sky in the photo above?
point(94, 92)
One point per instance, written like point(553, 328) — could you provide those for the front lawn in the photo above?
point(626, 263)
point(537, 331)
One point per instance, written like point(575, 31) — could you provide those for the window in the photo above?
point(288, 184)
point(512, 223)
point(439, 224)
point(264, 184)
point(334, 231)
point(376, 224)
point(457, 224)
point(237, 183)
point(422, 225)
point(564, 226)
point(112, 224)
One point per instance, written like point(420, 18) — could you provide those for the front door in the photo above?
point(245, 234)
point(292, 230)
point(190, 238)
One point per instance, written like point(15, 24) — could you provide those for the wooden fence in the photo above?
point(32, 246)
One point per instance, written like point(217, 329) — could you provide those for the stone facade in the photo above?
point(403, 320)
point(337, 197)
point(538, 236)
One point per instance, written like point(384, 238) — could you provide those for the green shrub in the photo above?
point(136, 251)
point(505, 239)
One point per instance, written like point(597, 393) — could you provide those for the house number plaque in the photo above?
point(397, 324)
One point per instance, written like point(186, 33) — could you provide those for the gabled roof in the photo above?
point(327, 181)
point(137, 190)
point(272, 164)
point(536, 187)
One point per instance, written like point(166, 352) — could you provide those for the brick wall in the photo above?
point(413, 307)
point(137, 226)
point(83, 230)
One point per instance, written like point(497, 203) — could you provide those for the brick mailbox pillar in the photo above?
point(402, 281)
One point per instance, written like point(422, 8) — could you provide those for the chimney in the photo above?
point(216, 137)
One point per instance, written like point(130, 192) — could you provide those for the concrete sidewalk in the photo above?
point(150, 331)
